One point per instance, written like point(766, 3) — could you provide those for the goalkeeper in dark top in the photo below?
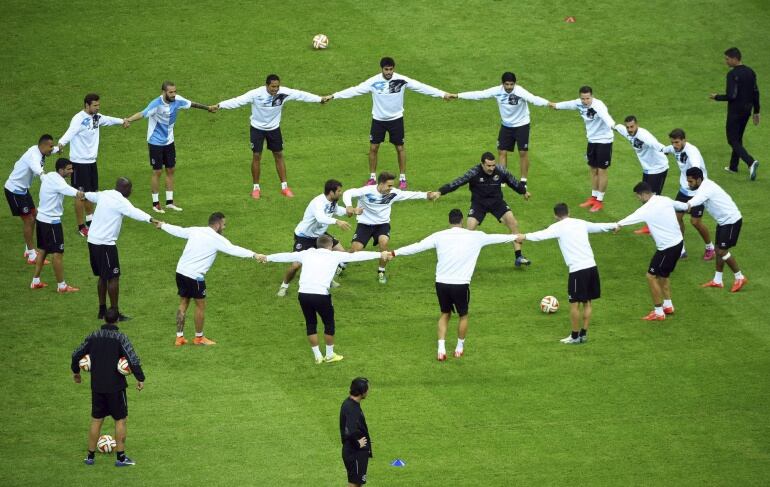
point(485, 181)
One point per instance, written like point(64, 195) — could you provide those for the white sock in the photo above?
point(285, 285)
point(594, 193)
point(62, 284)
point(738, 275)
point(284, 185)
point(89, 217)
point(26, 249)
point(329, 351)
point(155, 198)
point(442, 346)
point(659, 310)
point(343, 265)
point(380, 269)
point(198, 334)
point(600, 196)
point(402, 177)
point(256, 186)
point(667, 303)
point(523, 180)
point(710, 246)
point(317, 352)
point(32, 255)
point(169, 196)
point(460, 344)
point(684, 250)
point(35, 280)
point(718, 277)
point(180, 333)
point(372, 176)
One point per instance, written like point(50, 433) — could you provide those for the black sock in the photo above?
point(518, 253)
point(81, 227)
point(575, 334)
point(583, 332)
point(102, 308)
point(121, 455)
point(91, 454)
point(169, 202)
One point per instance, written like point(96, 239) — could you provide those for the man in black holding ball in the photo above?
point(356, 444)
point(105, 346)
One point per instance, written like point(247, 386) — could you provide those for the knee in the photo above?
point(374, 148)
point(400, 148)
point(311, 328)
point(329, 329)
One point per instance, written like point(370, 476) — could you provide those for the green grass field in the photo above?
point(682, 402)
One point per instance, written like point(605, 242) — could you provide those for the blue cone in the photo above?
point(398, 463)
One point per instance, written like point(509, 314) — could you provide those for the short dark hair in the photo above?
point(166, 84)
point(586, 89)
point(62, 162)
point(387, 61)
point(695, 173)
point(734, 53)
point(272, 77)
point(561, 209)
point(487, 156)
point(111, 315)
point(331, 186)
point(44, 138)
point(359, 386)
point(455, 216)
point(90, 98)
point(508, 76)
point(385, 176)
point(630, 118)
point(324, 242)
point(216, 217)
point(642, 188)
point(677, 134)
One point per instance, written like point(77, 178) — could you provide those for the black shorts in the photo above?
point(304, 243)
point(695, 211)
point(656, 181)
point(727, 235)
point(317, 304)
point(258, 137)
point(356, 463)
point(162, 155)
point(50, 237)
point(510, 137)
point(479, 209)
point(113, 404)
point(599, 155)
point(455, 297)
point(20, 204)
point(664, 261)
point(85, 177)
point(583, 285)
point(104, 260)
point(365, 232)
point(394, 128)
point(190, 288)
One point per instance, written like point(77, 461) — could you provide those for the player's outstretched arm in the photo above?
point(287, 257)
point(461, 181)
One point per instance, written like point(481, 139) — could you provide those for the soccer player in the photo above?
point(729, 221)
point(266, 108)
point(648, 151)
point(17, 189)
point(319, 214)
point(387, 89)
point(50, 236)
point(374, 220)
point(161, 114)
point(741, 95)
point(599, 126)
point(83, 133)
point(513, 101)
point(356, 443)
point(659, 215)
point(687, 156)
point(485, 181)
point(319, 264)
point(457, 250)
point(111, 206)
point(583, 285)
point(198, 256)
point(105, 347)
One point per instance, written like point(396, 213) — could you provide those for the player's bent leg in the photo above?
point(373, 150)
point(181, 314)
point(462, 329)
point(524, 164)
point(200, 314)
point(355, 246)
point(120, 434)
point(443, 324)
point(502, 157)
point(94, 431)
point(471, 223)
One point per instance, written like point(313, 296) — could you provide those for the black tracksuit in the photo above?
point(742, 96)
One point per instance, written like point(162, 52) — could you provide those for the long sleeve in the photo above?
point(35, 167)
point(360, 89)
point(530, 98)
point(176, 231)
point(339, 211)
point(512, 182)
point(479, 95)
point(636, 217)
point(461, 181)
point(132, 357)
point(131, 211)
point(286, 257)
point(79, 353)
point(238, 101)
point(72, 130)
point(92, 196)
point(680, 206)
point(621, 129)
point(410, 195)
point(304, 96)
point(699, 198)
point(544, 234)
point(62, 187)
point(604, 115)
point(353, 431)
point(321, 217)
point(227, 247)
point(599, 227)
point(669, 149)
point(568, 105)
point(755, 98)
point(731, 90)
point(427, 243)
point(424, 89)
point(106, 120)
point(650, 140)
point(496, 238)
point(348, 195)
point(356, 256)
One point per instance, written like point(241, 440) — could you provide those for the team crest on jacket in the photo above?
point(638, 144)
point(591, 113)
point(513, 99)
point(495, 177)
point(278, 99)
point(396, 85)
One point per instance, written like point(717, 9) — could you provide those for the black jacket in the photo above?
point(742, 93)
point(483, 186)
point(353, 426)
point(105, 346)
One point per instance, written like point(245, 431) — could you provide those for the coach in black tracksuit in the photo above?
point(485, 181)
point(105, 346)
point(356, 444)
point(742, 96)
